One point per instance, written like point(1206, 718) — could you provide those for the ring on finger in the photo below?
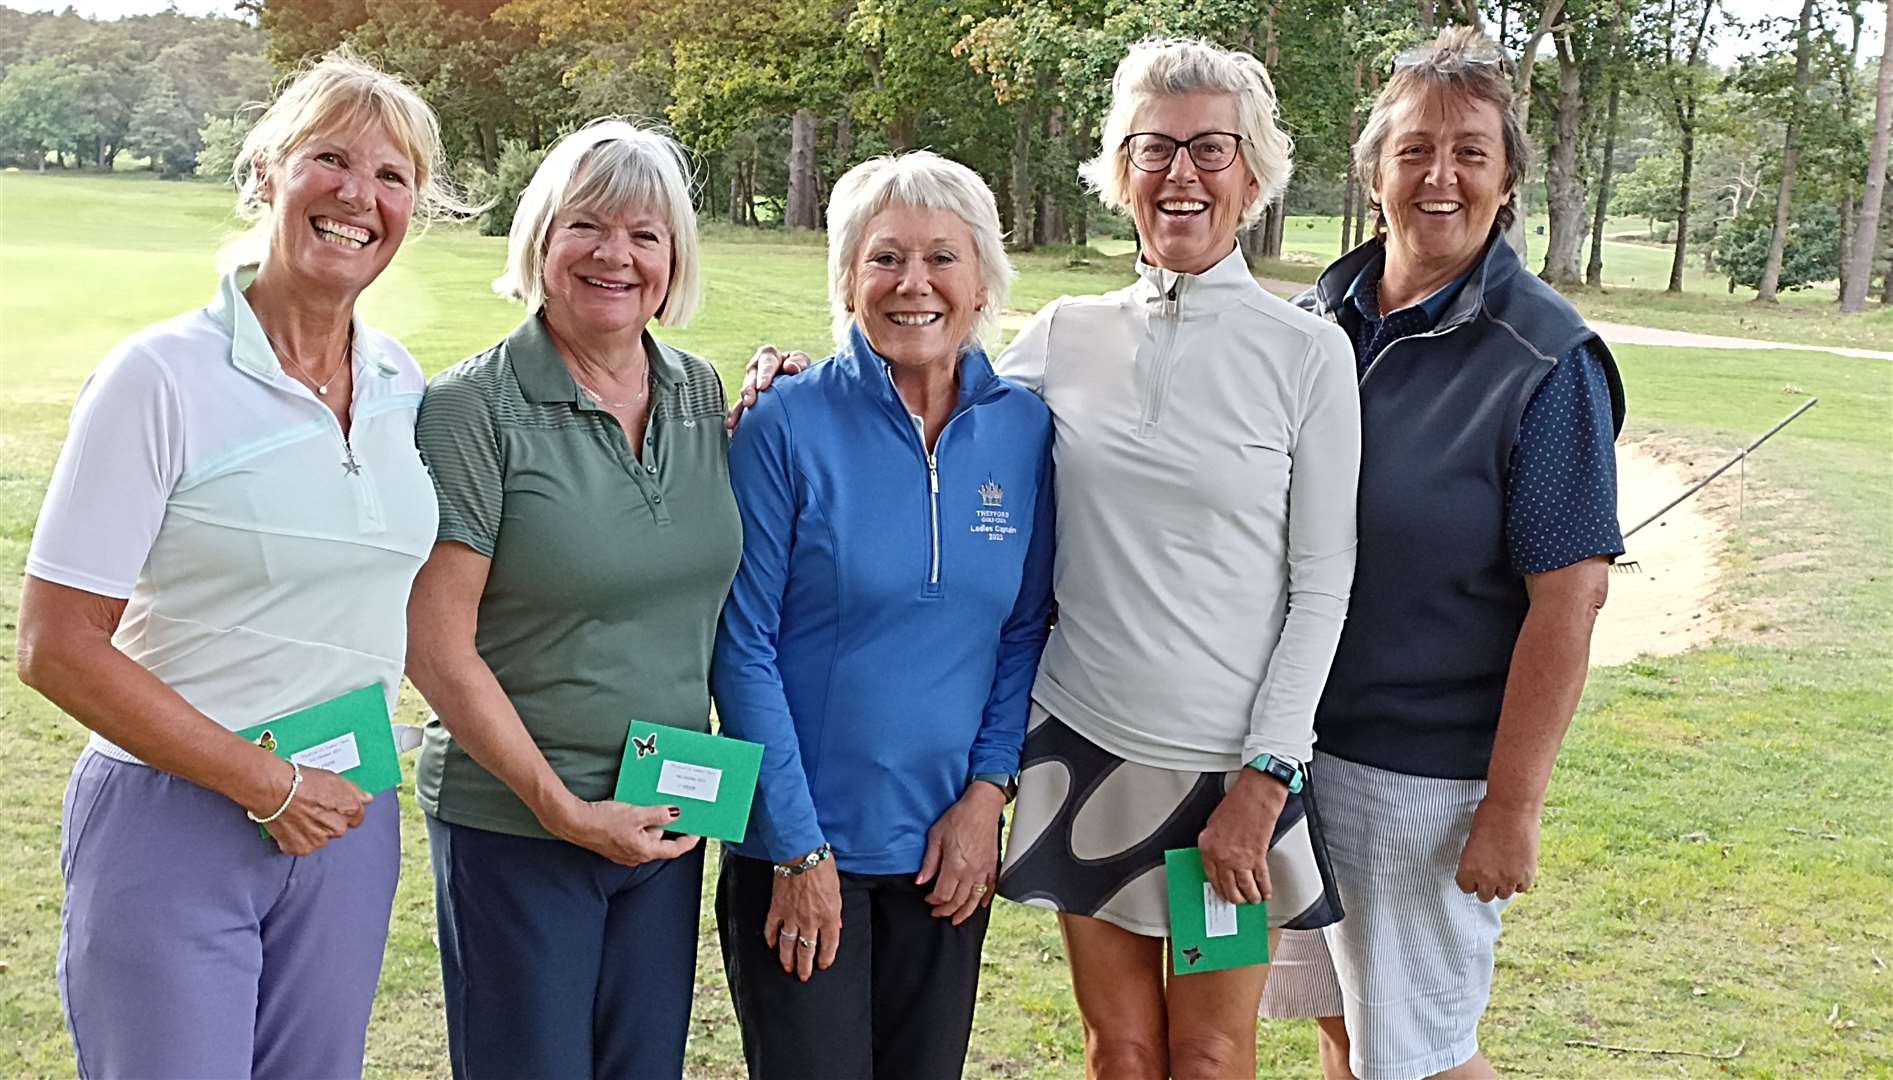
point(979, 889)
point(805, 942)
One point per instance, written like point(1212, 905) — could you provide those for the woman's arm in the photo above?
point(1549, 665)
point(752, 704)
point(445, 666)
point(1324, 474)
point(1564, 473)
point(750, 699)
point(66, 653)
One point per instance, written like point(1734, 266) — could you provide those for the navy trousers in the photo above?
point(558, 962)
point(897, 1003)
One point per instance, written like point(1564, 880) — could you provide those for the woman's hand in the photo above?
point(1501, 854)
point(804, 921)
point(761, 370)
point(962, 856)
point(325, 806)
point(627, 835)
point(1235, 843)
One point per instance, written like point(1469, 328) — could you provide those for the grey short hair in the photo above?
point(610, 165)
point(1173, 67)
point(925, 181)
point(339, 91)
point(1460, 62)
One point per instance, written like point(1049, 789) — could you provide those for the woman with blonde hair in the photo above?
point(587, 538)
point(229, 537)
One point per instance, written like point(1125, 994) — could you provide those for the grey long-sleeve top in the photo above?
point(1207, 448)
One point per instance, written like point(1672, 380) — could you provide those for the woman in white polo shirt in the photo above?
point(229, 537)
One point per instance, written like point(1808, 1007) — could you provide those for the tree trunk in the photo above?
point(1564, 188)
point(1426, 14)
point(1250, 241)
point(1079, 234)
point(844, 139)
point(1521, 105)
point(1682, 207)
point(1052, 227)
point(1765, 293)
point(1866, 233)
point(804, 209)
point(1021, 179)
point(900, 133)
point(1594, 270)
point(1848, 209)
point(1347, 211)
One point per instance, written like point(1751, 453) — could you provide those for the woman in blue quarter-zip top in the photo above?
point(896, 505)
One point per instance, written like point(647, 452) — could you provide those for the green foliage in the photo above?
point(1650, 190)
point(164, 132)
point(1812, 252)
point(220, 139)
point(507, 183)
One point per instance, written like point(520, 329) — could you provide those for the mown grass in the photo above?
point(1716, 858)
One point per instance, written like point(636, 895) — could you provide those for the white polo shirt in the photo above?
point(1207, 440)
point(265, 560)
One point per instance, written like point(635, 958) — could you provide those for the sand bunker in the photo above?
point(1665, 608)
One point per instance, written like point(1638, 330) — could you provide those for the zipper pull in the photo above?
point(933, 474)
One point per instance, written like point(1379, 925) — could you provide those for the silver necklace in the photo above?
point(321, 385)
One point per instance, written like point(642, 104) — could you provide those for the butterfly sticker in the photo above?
point(1192, 954)
point(646, 747)
point(267, 741)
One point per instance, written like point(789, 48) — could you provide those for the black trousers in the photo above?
point(897, 1003)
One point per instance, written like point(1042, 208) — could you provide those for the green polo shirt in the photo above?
point(608, 569)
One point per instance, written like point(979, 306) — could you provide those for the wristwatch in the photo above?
point(1006, 782)
point(798, 867)
point(1289, 773)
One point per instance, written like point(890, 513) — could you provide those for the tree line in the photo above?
point(1763, 169)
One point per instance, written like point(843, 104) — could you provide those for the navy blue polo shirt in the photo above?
point(1561, 488)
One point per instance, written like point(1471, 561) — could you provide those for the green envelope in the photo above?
point(349, 735)
point(1207, 933)
point(710, 779)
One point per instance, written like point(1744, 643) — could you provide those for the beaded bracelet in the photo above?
point(295, 781)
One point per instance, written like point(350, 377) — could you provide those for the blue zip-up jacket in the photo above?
point(884, 628)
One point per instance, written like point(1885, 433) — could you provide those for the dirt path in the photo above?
point(1626, 334)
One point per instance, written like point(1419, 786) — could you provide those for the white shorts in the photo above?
point(1410, 966)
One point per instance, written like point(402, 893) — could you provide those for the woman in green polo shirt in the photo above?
point(587, 538)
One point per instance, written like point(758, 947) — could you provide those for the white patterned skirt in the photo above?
point(1090, 829)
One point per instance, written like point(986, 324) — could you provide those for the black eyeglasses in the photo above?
point(1153, 151)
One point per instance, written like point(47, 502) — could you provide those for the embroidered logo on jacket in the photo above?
point(992, 519)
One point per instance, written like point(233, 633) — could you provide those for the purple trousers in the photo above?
point(191, 946)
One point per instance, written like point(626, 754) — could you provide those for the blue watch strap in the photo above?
point(1006, 782)
point(1289, 773)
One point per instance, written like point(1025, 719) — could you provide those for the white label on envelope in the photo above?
point(688, 781)
point(337, 755)
point(1219, 915)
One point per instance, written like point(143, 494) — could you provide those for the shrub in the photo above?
point(518, 162)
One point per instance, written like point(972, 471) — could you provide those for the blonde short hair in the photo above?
point(339, 91)
point(1460, 62)
point(609, 165)
point(924, 181)
point(1173, 67)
